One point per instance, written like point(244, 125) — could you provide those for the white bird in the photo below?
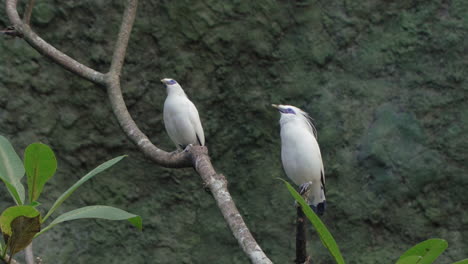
point(181, 117)
point(300, 154)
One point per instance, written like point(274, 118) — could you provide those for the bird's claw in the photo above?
point(187, 148)
point(304, 188)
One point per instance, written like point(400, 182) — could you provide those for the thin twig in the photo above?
point(28, 12)
point(11, 31)
point(48, 50)
point(122, 40)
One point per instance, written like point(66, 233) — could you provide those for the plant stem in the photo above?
point(301, 239)
point(29, 254)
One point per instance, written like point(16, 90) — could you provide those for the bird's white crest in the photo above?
point(181, 117)
point(296, 113)
point(173, 87)
point(300, 153)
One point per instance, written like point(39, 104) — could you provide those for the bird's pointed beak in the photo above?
point(275, 106)
point(162, 80)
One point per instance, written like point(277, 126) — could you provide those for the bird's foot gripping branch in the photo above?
point(21, 223)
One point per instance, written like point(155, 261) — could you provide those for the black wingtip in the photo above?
point(320, 208)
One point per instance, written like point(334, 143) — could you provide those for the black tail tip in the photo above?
point(320, 208)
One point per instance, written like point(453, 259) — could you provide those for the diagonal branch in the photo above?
point(48, 50)
point(196, 157)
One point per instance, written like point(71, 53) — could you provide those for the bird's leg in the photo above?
point(304, 188)
point(187, 148)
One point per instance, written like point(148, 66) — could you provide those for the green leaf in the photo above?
point(75, 186)
point(35, 204)
point(409, 260)
point(97, 211)
point(427, 251)
point(325, 235)
point(40, 165)
point(465, 261)
point(11, 170)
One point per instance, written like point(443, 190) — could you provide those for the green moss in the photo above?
point(43, 13)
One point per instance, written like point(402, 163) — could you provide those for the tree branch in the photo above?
point(196, 157)
point(48, 50)
point(28, 12)
point(10, 31)
point(123, 37)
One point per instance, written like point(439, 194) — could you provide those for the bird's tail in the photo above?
point(316, 199)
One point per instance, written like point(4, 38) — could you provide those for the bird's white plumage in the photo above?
point(181, 117)
point(300, 152)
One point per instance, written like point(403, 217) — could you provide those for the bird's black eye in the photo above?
point(171, 82)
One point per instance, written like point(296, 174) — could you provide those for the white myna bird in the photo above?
point(181, 117)
point(300, 155)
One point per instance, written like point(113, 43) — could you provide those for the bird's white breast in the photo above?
point(177, 112)
point(300, 153)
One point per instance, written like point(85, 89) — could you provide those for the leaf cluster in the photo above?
point(22, 223)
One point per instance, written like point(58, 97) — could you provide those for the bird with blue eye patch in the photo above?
point(300, 155)
point(181, 117)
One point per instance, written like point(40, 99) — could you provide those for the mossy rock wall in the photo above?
point(385, 81)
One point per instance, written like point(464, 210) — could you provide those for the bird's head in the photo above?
point(173, 87)
point(168, 81)
point(287, 109)
point(290, 113)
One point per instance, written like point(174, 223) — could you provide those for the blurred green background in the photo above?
point(385, 81)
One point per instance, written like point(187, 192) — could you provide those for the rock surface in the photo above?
point(385, 81)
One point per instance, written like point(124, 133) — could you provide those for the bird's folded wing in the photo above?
point(195, 120)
